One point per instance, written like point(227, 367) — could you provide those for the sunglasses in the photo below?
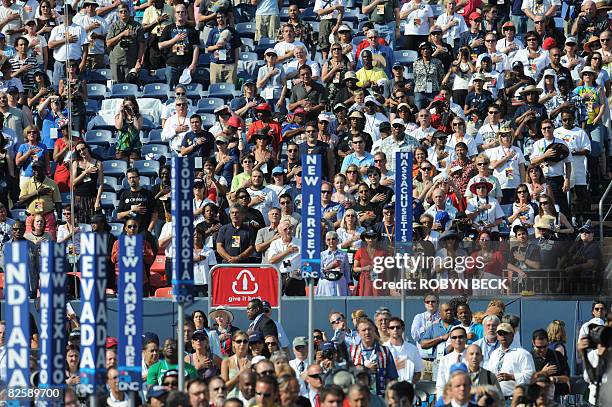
point(241, 341)
point(337, 321)
point(547, 128)
point(394, 327)
point(425, 168)
point(458, 337)
point(264, 395)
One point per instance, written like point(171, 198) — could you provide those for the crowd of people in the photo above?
point(504, 107)
point(447, 355)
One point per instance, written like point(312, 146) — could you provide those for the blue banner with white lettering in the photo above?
point(93, 313)
point(52, 315)
point(17, 294)
point(312, 169)
point(403, 200)
point(182, 227)
point(129, 330)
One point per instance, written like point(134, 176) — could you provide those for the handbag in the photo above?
point(332, 275)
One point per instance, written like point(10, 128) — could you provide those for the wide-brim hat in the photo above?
point(545, 222)
point(221, 310)
point(587, 69)
point(531, 89)
point(449, 234)
point(590, 43)
point(561, 152)
point(357, 114)
point(477, 184)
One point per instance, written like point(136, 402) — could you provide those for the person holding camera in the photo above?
point(128, 122)
point(125, 42)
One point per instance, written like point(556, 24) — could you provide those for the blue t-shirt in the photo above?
point(27, 167)
point(50, 122)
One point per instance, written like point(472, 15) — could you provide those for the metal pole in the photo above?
point(403, 303)
point(310, 321)
point(132, 399)
point(93, 400)
point(181, 347)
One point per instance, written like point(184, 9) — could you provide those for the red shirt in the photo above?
point(365, 44)
point(275, 130)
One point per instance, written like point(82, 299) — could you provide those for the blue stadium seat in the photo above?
point(99, 76)
point(156, 91)
point(96, 91)
point(160, 149)
point(19, 214)
point(406, 57)
point(111, 184)
point(99, 137)
point(116, 228)
point(194, 91)
point(246, 30)
point(202, 75)
point(148, 123)
point(208, 105)
point(115, 168)
point(284, 14)
point(309, 15)
point(204, 59)
point(155, 136)
point(100, 152)
point(160, 74)
point(351, 15)
point(208, 120)
point(267, 41)
point(248, 45)
point(248, 56)
point(65, 196)
point(108, 200)
point(148, 168)
point(224, 91)
point(92, 107)
point(121, 90)
point(102, 122)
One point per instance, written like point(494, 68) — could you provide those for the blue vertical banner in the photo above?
point(182, 227)
point(312, 169)
point(129, 330)
point(52, 315)
point(93, 311)
point(17, 294)
point(403, 201)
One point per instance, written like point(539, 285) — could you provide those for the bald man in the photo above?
point(478, 375)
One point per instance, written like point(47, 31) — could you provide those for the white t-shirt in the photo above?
point(96, 46)
point(508, 174)
point(289, 263)
point(550, 169)
point(283, 47)
point(323, 4)
point(455, 31)
point(270, 201)
point(500, 66)
point(576, 139)
point(539, 8)
point(13, 24)
point(532, 66)
point(74, 49)
point(37, 49)
point(417, 22)
point(504, 43)
point(202, 268)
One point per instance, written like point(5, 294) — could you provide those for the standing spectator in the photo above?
point(364, 266)
point(224, 43)
point(42, 197)
point(511, 365)
point(460, 386)
point(125, 39)
point(533, 8)
point(385, 14)
point(433, 339)
point(260, 325)
point(267, 18)
point(18, 235)
point(309, 95)
point(30, 153)
point(137, 203)
point(37, 45)
point(198, 143)
point(24, 64)
point(428, 74)
point(479, 375)
point(156, 17)
point(74, 88)
point(132, 228)
point(88, 178)
point(406, 356)
point(488, 343)
point(110, 10)
point(284, 49)
point(10, 16)
point(262, 198)
point(458, 340)
point(271, 81)
point(328, 11)
point(550, 361)
point(177, 126)
point(63, 154)
point(96, 28)
point(419, 17)
point(15, 121)
point(77, 48)
point(284, 253)
point(181, 45)
point(335, 269)
point(128, 122)
point(236, 240)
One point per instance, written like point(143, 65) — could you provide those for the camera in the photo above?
point(600, 335)
point(328, 354)
point(124, 43)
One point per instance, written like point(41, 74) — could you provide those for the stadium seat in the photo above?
point(156, 91)
point(99, 137)
point(116, 228)
point(65, 197)
point(208, 120)
point(204, 59)
point(92, 107)
point(151, 107)
point(160, 74)
point(357, 40)
point(157, 149)
point(224, 91)
point(104, 122)
point(111, 184)
point(115, 168)
point(284, 14)
point(18, 214)
point(351, 15)
point(100, 152)
point(405, 57)
point(309, 15)
point(155, 136)
point(159, 264)
point(248, 56)
point(246, 30)
point(208, 105)
point(147, 167)
point(121, 90)
point(248, 45)
point(96, 91)
point(202, 75)
point(108, 200)
point(194, 91)
point(165, 292)
point(99, 76)
point(438, 9)
point(149, 123)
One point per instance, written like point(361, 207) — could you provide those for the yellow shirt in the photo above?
point(45, 203)
point(370, 75)
point(151, 14)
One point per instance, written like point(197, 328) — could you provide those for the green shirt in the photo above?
point(387, 16)
point(125, 55)
point(156, 372)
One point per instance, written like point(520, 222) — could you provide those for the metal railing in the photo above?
point(603, 217)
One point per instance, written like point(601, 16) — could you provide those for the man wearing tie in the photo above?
point(458, 340)
point(299, 364)
point(260, 322)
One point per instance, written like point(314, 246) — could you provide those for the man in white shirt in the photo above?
point(580, 147)
point(533, 8)
point(177, 126)
point(458, 341)
point(406, 355)
point(170, 107)
point(425, 130)
point(557, 172)
point(11, 16)
point(284, 48)
point(77, 48)
point(488, 343)
point(96, 29)
point(262, 198)
point(373, 118)
point(300, 363)
point(511, 365)
point(499, 60)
